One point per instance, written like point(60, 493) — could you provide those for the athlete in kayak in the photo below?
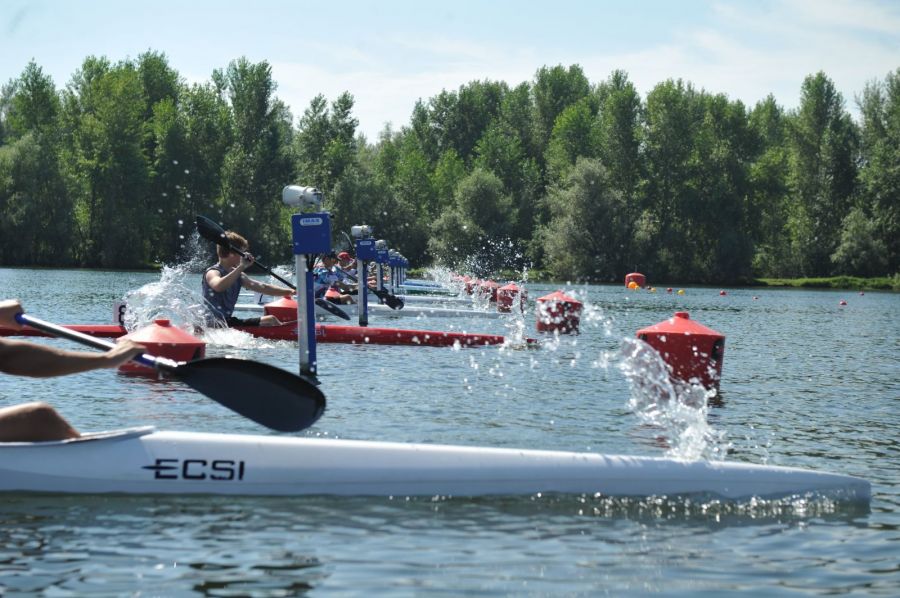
point(347, 263)
point(327, 275)
point(223, 281)
point(38, 421)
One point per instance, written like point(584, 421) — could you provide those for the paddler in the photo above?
point(328, 276)
point(347, 263)
point(223, 281)
point(38, 421)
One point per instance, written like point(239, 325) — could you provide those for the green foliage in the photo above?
point(880, 172)
point(566, 178)
point(475, 229)
point(588, 233)
point(573, 137)
point(822, 141)
point(860, 252)
point(555, 89)
point(34, 104)
point(260, 160)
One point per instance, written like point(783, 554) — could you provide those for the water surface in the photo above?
point(806, 383)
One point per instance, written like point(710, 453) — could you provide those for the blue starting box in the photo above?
point(365, 250)
point(311, 233)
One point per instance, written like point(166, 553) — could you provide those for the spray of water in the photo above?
point(677, 409)
point(170, 297)
point(176, 296)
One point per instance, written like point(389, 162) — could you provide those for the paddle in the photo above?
point(263, 393)
point(392, 301)
point(211, 231)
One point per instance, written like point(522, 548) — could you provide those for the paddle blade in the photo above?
point(266, 394)
point(391, 301)
point(211, 231)
point(332, 308)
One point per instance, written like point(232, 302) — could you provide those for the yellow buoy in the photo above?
point(681, 291)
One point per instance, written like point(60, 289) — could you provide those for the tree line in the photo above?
point(586, 180)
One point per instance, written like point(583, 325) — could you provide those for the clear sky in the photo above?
point(390, 53)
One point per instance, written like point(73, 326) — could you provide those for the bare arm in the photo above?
point(266, 289)
point(22, 358)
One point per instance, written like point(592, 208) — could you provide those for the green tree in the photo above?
point(880, 175)
point(673, 112)
point(767, 208)
point(457, 119)
point(862, 251)
point(35, 204)
point(260, 161)
point(328, 154)
point(500, 151)
point(36, 222)
point(587, 236)
point(718, 234)
point(208, 134)
point(34, 103)
point(573, 137)
point(618, 141)
point(823, 142)
point(104, 137)
point(448, 172)
point(475, 231)
point(555, 89)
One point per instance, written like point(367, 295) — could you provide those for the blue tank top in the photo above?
point(221, 305)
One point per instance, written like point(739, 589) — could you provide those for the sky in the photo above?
point(388, 54)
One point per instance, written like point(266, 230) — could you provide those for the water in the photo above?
point(806, 383)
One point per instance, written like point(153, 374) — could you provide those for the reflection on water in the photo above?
point(274, 546)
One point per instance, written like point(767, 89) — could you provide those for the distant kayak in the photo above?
point(325, 333)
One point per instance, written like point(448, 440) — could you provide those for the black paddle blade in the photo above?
point(392, 301)
point(331, 308)
point(266, 394)
point(211, 231)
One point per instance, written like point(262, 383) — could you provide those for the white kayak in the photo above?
point(146, 461)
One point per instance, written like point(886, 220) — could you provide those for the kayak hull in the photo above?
point(145, 461)
point(325, 333)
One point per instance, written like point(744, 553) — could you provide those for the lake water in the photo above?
point(806, 382)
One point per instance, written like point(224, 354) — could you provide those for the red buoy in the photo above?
point(506, 297)
point(693, 351)
point(558, 312)
point(164, 340)
point(285, 309)
point(636, 277)
point(489, 288)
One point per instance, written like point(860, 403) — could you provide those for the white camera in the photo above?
point(306, 198)
point(361, 231)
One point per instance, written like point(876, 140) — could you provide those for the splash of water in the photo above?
point(679, 410)
point(170, 298)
